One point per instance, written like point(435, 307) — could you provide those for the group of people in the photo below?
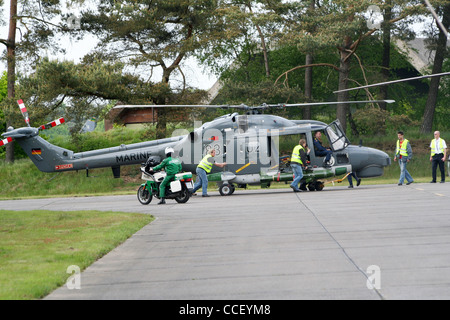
point(403, 154)
point(299, 158)
point(172, 166)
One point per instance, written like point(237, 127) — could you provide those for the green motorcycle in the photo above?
point(180, 189)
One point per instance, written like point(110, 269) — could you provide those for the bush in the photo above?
point(370, 121)
point(374, 121)
point(400, 122)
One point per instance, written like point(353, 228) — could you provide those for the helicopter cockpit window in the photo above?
point(336, 136)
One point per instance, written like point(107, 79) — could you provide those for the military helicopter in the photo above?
point(255, 146)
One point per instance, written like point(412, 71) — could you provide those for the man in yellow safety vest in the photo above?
point(298, 161)
point(438, 155)
point(203, 168)
point(403, 153)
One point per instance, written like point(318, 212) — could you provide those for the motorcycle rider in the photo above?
point(172, 166)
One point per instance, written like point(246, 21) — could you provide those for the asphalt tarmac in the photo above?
point(371, 242)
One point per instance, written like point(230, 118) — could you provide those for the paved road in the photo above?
point(275, 244)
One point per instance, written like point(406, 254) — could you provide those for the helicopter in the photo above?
point(255, 146)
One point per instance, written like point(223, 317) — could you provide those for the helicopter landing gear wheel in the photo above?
point(303, 186)
point(226, 189)
point(144, 196)
point(319, 185)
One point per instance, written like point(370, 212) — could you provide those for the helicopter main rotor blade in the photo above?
point(173, 106)
point(395, 81)
point(328, 103)
point(439, 22)
point(245, 107)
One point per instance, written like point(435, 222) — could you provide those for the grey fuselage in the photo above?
point(248, 144)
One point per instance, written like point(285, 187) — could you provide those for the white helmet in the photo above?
point(169, 150)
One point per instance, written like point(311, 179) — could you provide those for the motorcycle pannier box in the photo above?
point(175, 186)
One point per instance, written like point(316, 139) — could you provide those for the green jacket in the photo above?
point(171, 165)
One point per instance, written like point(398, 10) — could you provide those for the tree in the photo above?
point(11, 67)
point(84, 89)
point(337, 24)
point(441, 53)
point(36, 35)
point(309, 72)
point(152, 36)
point(386, 59)
point(3, 95)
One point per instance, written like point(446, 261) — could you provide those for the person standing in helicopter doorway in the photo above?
point(403, 153)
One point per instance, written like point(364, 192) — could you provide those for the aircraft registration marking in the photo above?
point(64, 166)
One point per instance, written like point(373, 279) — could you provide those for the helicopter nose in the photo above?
point(368, 162)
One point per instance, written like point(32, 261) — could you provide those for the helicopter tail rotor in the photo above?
point(52, 124)
point(5, 141)
point(24, 111)
point(27, 131)
point(49, 125)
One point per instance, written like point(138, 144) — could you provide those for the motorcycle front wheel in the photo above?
point(144, 196)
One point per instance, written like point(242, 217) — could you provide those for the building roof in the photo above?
point(419, 55)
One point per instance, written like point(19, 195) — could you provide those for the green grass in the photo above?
point(37, 247)
point(23, 180)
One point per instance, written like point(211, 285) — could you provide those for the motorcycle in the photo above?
point(180, 189)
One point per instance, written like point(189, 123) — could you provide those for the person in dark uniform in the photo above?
point(320, 150)
point(438, 155)
point(350, 180)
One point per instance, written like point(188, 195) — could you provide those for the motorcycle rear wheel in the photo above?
point(184, 196)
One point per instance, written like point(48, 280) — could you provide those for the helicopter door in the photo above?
point(336, 136)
